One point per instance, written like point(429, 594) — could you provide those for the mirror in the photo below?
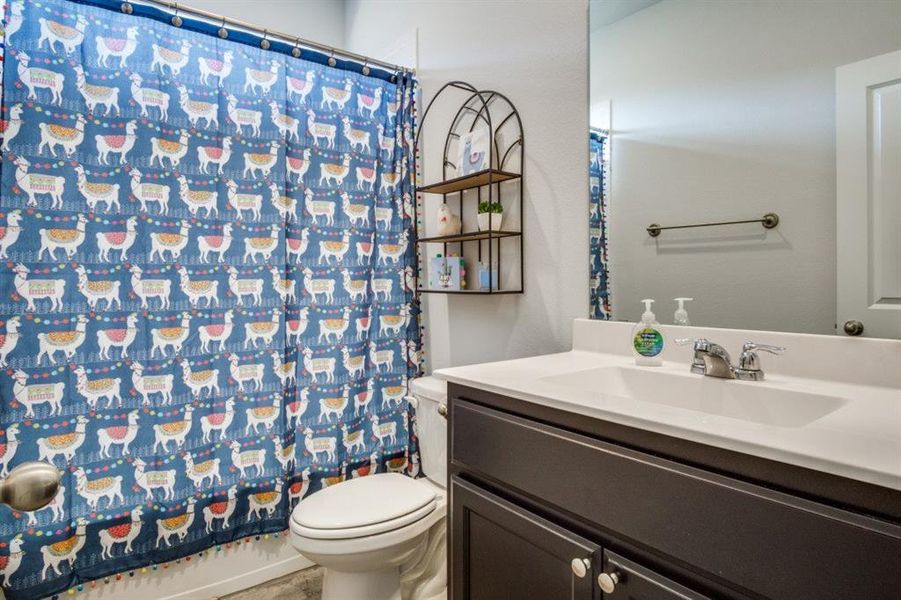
point(780, 115)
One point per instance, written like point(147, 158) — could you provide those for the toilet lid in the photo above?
point(364, 506)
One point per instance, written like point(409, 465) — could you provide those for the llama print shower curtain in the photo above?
point(600, 305)
point(207, 283)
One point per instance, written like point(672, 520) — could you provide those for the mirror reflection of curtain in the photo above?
point(599, 283)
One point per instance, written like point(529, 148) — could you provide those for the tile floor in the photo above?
point(302, 585)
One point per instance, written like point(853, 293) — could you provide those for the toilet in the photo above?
point(375, 536)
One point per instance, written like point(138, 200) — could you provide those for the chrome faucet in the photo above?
point(713, 360)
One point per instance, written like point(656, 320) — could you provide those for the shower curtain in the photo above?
point(600, 306)
point(207, 286)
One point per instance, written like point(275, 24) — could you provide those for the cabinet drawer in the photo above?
point(754, 540)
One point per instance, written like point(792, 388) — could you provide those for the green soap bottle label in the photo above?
point(648, 342)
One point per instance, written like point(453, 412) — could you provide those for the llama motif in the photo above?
point(32, 290)
point(320, 131)
point(241, 287)
point(336, 98)
point(98, 289)
point(357, 138)
point(298, 489)
point(172, 337)
point(288, 126)
point(247, 373)
point(382, 288)
point(176, 525)
point(357, 214)
point(218, 422)
point(215, 244)
point(384, 215)
point(107, 487)
point(334, 328)
point(393, 324)
point(252, 203)
point(283, 454)
point(296, 409)
point(363, 323)
point(65, 444)
point(167, 57)
point(119, 435)
point(285, 371)
point(285, 205)
point(355, 365)
point(95, 390)
point(39, 184)
point(214, 155)
point(145, 289)
point(148, 97)
point(123, 533)
point(368, 105)
point(254, 459)
point(386, 143)
point(298, 166)
point(331, 172)
point(63, 551)
point(56, 507)
point(409, 279)
point(8, 448)
point(97, 95)
point(393, 252)
point(198, 110)
point(36, 78)
point(334, 405)
point(198, 289)
point(117, 144)
point(116, 48)
point(243, 117)
point(67, 138)
point(295, 327)
point(414, 354)
point(394, 394)
point(153, 480)
point(262, 415)
point(371, 465)
point(319, 445)
point(173, 151)
point(220, 69)
point(15, 19)
point(10, 339)
point(318, 208)
point(262, 331)
point(317, 287)
point(318, 366)
point(147, 385)
point(195, 199)
point(256, 80)
point(166, 241)
point(149, 192)
point(221, 510)
point(260, 163)
point(362, 399)
point(216, 332)
point(34, 394)
point(95, 192)
point(265, 502)
point(11, 127)
point(262, 247)
point(353, 441)
point(385, 431)
point(118, 337)
point(366, 176)
point(299, 89)
point(200, 381)
point(54, 32)
point(66, 341)
point(357, 289)
point(66, 239)
point(334, 248)
point(172, 431)
point(201, 472)
point(121, 241)
point(380, 358)
point(365, 249)
point(389, 182)
point(297, 246)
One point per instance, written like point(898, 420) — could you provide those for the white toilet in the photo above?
point(375, 535)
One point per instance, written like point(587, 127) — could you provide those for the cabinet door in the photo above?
point(500, 550)
point(623, 579)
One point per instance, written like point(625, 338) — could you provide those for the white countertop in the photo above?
point(860, 440)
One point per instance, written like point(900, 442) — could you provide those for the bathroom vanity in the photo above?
point(558, 490)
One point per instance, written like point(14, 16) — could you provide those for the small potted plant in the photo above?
point(493, 212)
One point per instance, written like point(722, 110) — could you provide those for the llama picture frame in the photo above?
point(473, 152)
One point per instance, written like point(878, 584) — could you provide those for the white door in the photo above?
point(868, 188)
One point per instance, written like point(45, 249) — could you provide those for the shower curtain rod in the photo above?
point(178, 7)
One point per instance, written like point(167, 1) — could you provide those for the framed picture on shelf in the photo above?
point(472, 152)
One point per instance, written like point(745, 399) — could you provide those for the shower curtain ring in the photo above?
point(223, 32)
point(331, 59)
point(264, 43)
point(295, 52)
point(366, 67)
point(127, 8)
point(176, 20)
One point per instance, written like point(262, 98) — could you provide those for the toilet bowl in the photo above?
point(378, 534)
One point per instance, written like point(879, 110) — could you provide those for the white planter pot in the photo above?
point(496, 220)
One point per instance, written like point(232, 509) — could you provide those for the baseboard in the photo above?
point(245, 580)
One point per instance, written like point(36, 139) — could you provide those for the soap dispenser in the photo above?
point(681, 315)
point(647, 341)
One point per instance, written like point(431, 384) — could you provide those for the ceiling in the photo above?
point(605, 12)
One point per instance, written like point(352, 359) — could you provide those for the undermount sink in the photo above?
point(758, 402)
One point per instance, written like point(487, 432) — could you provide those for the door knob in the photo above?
point(607, 582)
point(853, 327)
point(581, 566)
point(30, 486)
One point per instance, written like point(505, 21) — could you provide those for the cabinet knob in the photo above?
point(581, 566)
point(442, 410)
point(853, 327)
point(607, 582)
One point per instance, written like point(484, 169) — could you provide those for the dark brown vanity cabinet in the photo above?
point(547, 504)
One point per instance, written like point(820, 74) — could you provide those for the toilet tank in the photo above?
point(428, 394)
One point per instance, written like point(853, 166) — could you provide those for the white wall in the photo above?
point(536, 53)
point(726, 112)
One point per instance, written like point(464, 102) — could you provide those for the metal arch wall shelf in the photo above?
point(507, 142)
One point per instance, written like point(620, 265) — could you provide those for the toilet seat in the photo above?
point(363, 507)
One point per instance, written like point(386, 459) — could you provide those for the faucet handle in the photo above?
point(700, 345)
point(749, 362)
point(752, 346)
